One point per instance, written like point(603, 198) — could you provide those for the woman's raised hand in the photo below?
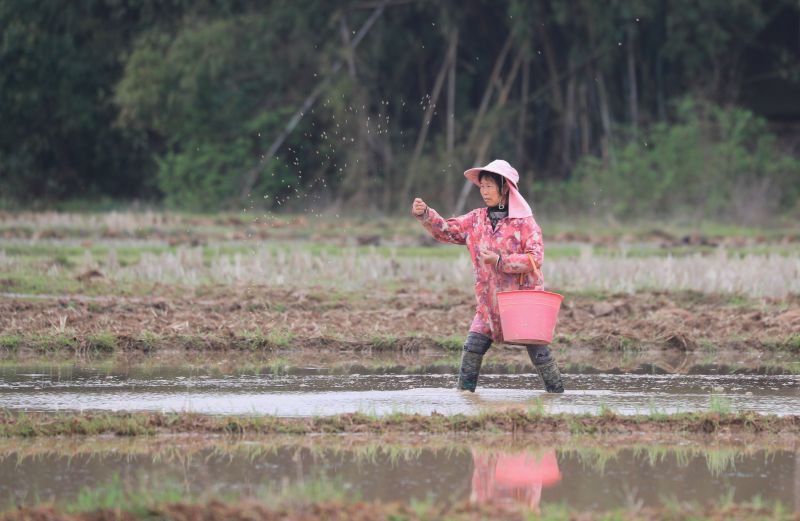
point(418, 207)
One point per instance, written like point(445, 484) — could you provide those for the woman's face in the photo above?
point(490, 192)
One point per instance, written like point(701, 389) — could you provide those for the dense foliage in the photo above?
point(624, 108)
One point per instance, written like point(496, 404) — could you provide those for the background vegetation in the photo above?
point(621, 109)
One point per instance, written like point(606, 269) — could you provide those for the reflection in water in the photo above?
point(499, 470)
point(513, 479)
point(797, 484)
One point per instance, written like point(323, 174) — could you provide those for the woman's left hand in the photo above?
point(488, 256)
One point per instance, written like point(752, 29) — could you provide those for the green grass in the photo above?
point(102, 342)
point(280, 337)
point(27, 282)
point(313, 489)
point(676, 228)
point(789, 343)
point(68, 256)
point(321, 497)
point(450, 343)
point(537, 408)
point(707, 345)
point(255, 339)
point(134, 424)
point(606, 410)
point(278, 365)
point(55, 344)
point(656, 414)
point(720, 404)
point(150, 340)
point(10, 342)
point(383, 341)
point(114, 495)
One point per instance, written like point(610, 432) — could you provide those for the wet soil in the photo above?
point(268, 318)
point(403, 356)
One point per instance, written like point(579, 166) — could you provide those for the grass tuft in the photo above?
point(280, 337)
point(450, 343)
point(102, 342)
point(720, 404)
point(55, 344)
point(10, 342)
point(383, 341)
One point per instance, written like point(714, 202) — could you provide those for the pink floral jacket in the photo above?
point(514, 239)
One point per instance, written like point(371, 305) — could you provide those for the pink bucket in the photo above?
point(528, 316)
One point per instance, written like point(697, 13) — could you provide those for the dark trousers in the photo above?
point(479, 344)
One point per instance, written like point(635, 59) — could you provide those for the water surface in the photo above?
point(32, 389)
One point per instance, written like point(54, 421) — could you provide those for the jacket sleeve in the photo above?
point(451, 231)
point(533, 245)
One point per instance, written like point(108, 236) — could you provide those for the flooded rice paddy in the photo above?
point(170, 390)
point(585, 479)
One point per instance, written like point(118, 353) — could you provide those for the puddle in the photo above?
point(308, 395)
point(594, 479)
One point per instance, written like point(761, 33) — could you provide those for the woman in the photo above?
point(504, 241)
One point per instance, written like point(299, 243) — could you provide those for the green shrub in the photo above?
point(713, 162)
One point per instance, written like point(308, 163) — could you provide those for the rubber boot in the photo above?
point(470, 369)
point(551, 376)
point(471, 359)
point(547, 368)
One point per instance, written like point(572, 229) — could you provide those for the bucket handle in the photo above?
point(536, 271)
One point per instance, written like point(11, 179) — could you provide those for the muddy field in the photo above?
point(164, 366)
point(683, 321)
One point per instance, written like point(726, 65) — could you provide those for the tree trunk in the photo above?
point(356, 185)
point(632, 87)
point(662, 39)
point(426, 120)
point(487, 93)
point(523, 115)
point(552, 67)
point(586, 131)
point(387, 157)
point(349, 54)
point(448, 183)
point(568, 128)
point(605, 116)
point(483, 147)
